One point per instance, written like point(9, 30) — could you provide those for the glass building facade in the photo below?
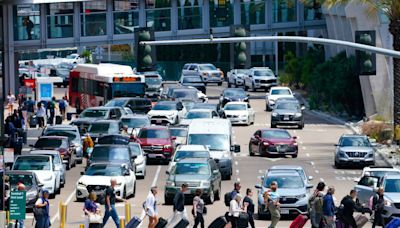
point(27, 22)
point(189, 14)
point(94, 18)
point(252, 12)
point(221, 13)
point(126, 16)
point(284, 11)
point(60, 18)
point(158, 14)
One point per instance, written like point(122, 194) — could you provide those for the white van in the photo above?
point(216, 134)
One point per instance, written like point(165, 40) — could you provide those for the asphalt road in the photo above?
point(316, 142)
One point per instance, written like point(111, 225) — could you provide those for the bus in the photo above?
point(93, 85)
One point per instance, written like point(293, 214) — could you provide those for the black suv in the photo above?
point(136, 104)
point(233, 94)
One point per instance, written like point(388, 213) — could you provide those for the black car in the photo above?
point(114, 139)
point(194, 81)
point(104, 127)
point(136, 104)
point(233, 94)
point(112, 153)
point(289, 113)
point(32, 185)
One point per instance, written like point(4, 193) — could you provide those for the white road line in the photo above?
point(312, 163)
point(236, 163)
point(56, 216)
point(321, 179)
point(307, 154)
point(301, 142)
point(316, 171)
point(143, 214)
point(238, 179)
point(237, 172)
point(304, 148)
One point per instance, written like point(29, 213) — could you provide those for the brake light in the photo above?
point(265, 143)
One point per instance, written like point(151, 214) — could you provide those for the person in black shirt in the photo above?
point(250, 206)
point(349, 206)
point(110, 204)
point(378, 205)
point(179, 206)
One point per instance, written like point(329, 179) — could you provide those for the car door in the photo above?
point(251, 113)
point(254, 141)
point(365, 188)
point(216, 178)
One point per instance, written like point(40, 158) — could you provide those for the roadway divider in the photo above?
point(63, 214)
point(127, 212)
point(82, 226)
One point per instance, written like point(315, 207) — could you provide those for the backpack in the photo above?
point(39, 212)
point(316, 203)
point(227, 198)
point(51, 105)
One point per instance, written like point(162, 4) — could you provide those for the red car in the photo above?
point(273, 142)
point(157, 142)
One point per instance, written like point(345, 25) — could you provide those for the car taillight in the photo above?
point(265, 143)
point(62, 151)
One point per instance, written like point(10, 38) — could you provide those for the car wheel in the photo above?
point(294, 156)
point(273, 125)
point(268, 108)
point(168, 200)
point(251, 153)
point(219, 83)
point(248, 121)
point(210, 199)
point(301, 126)
point(337, 165)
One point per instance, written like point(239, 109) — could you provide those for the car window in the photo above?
point(110, 153)
point(165, 106)
point(135, 149)
point(93, 113)
point(99, 127)
point(117, 102)
point(15, 179)
point(191, 154)
point(235, 107)
point(192, 169)
point(118, 113)
point(135, 122)
point(276, 135)
point(48, 143)
point(288, 105)
point(392, 185)
point(369, 182)
point(154, 133)
point(197, 115)
point(258, 133)
point(105, 170)
point(32, 163)
point(280, 92)
point(355, 141)
point(178, 132)
point(192, 67)
point(207, 67)
point(263, 73)
point(70, 134)
point(287, 181)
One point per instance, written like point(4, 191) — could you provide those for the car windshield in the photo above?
point(392, 185)
point(94, 113)
point(32, 163)
point(70, 134)
point(355, 141)
point(235, 107)
point(280, 92)
point(207, 67)
point(204, 106)
point(178, 132)
point(72, 56)
point(165, 106)
point(105, 153)
point(192, 169)
point(287, 181)
point(186, 94)
point(263, 73)
point(213, 141)
point(116, 103)
point(135, 149)
point(191, 154)
point(154, 133)
point(382, 173)
point(135, 122)
point(15, 179)
point(103, 128)
point(105, 170)
point(48, 143)
point(151, 80)
point(241, 71)
point(191, 80)
point(234, 93)
point(275, 135)
point(288, 105)
point(198, 115)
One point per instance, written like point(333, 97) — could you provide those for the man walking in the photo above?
point(62, 105)
point(378, 204)
point(110, 209)
point(30, 108)
point(52, 108)
point(273, 204)
point(349, 206)
point(179, 206)
point(329, 208)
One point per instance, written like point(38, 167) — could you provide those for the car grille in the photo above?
point(152, 148)
point(232, 116)
point(286, 117)
point(268, 81)
point(356, 154)
point(281, 148)
point(397, 205)
point(96, 188)
point(159, 117)
point(215, 75)
point(288, 200)
point(189, 183)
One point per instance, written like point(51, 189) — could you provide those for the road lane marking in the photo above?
point(321, 179)
point(307, 154)
point(301, 142)
point(316, 171)
point(143, 214)
point(273, 159)
point(56, 216)
point(312, 163)
point(236, 163)
point(304, 148)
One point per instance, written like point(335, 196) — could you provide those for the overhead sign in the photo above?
point(40, 1)
point(31, 83)
point(45, 91)
point(17, 205)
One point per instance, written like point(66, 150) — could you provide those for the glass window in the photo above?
point(252, 12)
point(60, 20)
point(158, 14)
point(221, 13)
point(126, 16)
point(189, 14)
point(313, 11)
point(284, 10)
point(93, 17)
point(26, 22)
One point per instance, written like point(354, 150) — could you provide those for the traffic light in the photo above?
point(365, 60)
point(241, 50)
point(145, 54)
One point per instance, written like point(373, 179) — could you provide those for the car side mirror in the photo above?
point(335, 144)
point(82, 173)
point(235, 148)
point(258, 186)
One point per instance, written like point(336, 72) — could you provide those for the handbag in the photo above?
point(95, 218)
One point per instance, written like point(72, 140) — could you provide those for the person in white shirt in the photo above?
point(41, 114)
point(151, 207)
point(10, 102)
point(235, 209)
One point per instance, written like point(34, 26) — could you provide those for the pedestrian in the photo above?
point(30, 108)
point(24, 111)
point(110, 209)
point(179, 211)
point(236, 189)
point(273, 204)
point(378, 205)
point(250, 208)
point(349, 206)
point(62, 105)
point(235, 209)
point(88, 144)
point(150, 206)
point(329, 208)
point(124, 130)
point(51, 105)
point(29, 26)
point(10, 102)
point(20, 187)
point(198, 209)
point(41, 114)
point(41, 211)
point(315, 206)
point(92, 211)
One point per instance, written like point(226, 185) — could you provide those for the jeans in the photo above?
point(251, 221)
point(20, 223)
point(112, 213)
point(275, 215)
point(199, 219)
point(43, 222)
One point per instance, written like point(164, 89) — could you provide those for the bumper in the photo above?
point(290, 122)
point(225, 166)
point(170, 192)
point(239, 120)
point(265, 85)
point(158, 155)
point(82, 192)
point(239, 81)
point(212, 79)
point(355, 162)
point(289, 209)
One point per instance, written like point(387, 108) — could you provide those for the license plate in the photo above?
point(286, 118)
point(284, 211)
point(356, 161)
point(152, 155)
point(158, 121)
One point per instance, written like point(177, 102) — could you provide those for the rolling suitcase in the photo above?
point(161, 223)
point(33, 122)
point(135, 221)
point(395, 223)
point(299, 221)
point(243, 220)
point(361, 220)
point(182, 224)
point(218, 222)
point(59, 120)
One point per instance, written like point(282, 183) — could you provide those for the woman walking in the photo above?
point(198, 209)
point(92, 211)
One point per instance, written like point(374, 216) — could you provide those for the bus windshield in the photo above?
point(127, 89)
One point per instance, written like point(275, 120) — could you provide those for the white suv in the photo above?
point(274, 94)
point(207, 71)
point(260, 78)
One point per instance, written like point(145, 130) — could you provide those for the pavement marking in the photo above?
point(321, 179)
point(304, 148)
point(273, 159)
point(301, 142)
point(236, 163)
point(31, 138)
point(307, 154)
point(237, 172)
point(312, 163)
point(238, 179)
point(316, 171)
point(56, 216)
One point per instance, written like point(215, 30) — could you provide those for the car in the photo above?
point(168, 89)
point(57, 160)
point(233, 94)
point(189, 151)
point(140, 160)
point(136, 104)
point(260, 78)
point(32, 185)
point(197, 173)
point(354, 150)
point(115, 153)
point(236, 77)
point(379, 171)
point(104, 127)
point(114, 139)
point(167, 112)
point(198, 114)
point(195, 81)
point(157, 142)
point(128, 111)
point(185, 94)
point(44, 168)
point(70, 131)
point(208, 72)
point(74, 58)
point(214, 107)
point(239, 113)
point(200, 95)
point(296, 168)
point(62, 70)
point(60, 143)
point(273, 142)
point(153, 82)
point(97, 178)
point(180, 134)
point(287, 113)
point(274, 94)
point(293, 192)
point(93, 114)
point(135, 123)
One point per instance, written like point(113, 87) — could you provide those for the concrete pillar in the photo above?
point(174, 17)
point(43, 25)
point(10, 75)
point(77, 26)
point(110, 19)
point(206, 16)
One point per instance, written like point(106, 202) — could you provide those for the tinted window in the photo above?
point(110, 153)
point(113, 139)
point(116, 103)
point(94, 113)
point(280, 92)
point(191, 80)
point(192, 169)
point(234, 107)
point(70, 134)
point(99, 128)
point(276, 135)
point(198, 115)
point(288, 105)
point(26, 179)
point(165, 106)
point(208, 67)
point(178, 132)
point(234, 93)
point(105, 170)
point(154, 133)
point(32, 163)
point(135, 122)
point(263, 73)
point(48, 143)
point(392, 185)
point(135, 149)
point(354, 141)
point(213, 141)
point(191, 154)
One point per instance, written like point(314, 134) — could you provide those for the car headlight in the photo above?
point(170, 183)
point(271, 101)
point(301, 196)
point(388, 203)
point(274, 114)
point(139, 162)
point(341, 154)
point(205, 184)
point(119, 184)
point(298, 114)
point(204, 74)
point(31, 194)
point(171, 115)
point(167, 146)
point(81, 184)
point(256, 81)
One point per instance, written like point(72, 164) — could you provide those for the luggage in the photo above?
point(182, 224)
point(33, 122)
point(361, 220)
point(161, 223)
point(69, 115)
point(243, 221)
point(50, 121)
point(299, 221)
point(135, 221)
point(395, 223)
point(59, 120)
point(218, 222)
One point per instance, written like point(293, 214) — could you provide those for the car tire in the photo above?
point(251, 153)
point(219, 83)
point(168, 200)
point(301, 126)
point(267, 108)
point(248, 122)
point(211, 197)
point(338, 165)
point(273, 125)
point(294, 156)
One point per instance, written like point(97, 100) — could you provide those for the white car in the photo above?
point(167, 112)
point(276, 93)
point(140, 160)
point(378, 171)
point(198, 114)
point(44, 168)
point(200, 95)
point(260, 78)
point(73, 59)
point(189, 151)
point(236, 77)
point(98, 176)
point(57, 160)
point(135, 123)
point(239, 113)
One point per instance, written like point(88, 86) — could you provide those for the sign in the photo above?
point(8, 155)
point(31, 83)
point(17, 205)
point(45, 91)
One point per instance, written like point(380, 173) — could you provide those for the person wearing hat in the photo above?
point(43, 219)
